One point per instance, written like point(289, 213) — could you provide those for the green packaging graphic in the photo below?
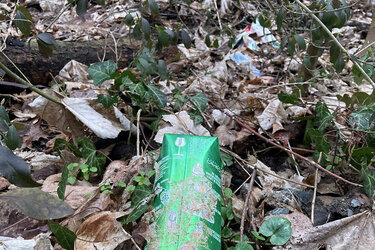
point(188, 188)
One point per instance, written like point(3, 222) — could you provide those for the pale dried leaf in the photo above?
point(181, 124)
point(55, 115)
point(226, 136)
point(74, 71)
point(127, 125)
point(355, 232)
point(273, 113)
point(102, 127)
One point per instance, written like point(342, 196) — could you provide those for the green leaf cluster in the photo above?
point(8, 132)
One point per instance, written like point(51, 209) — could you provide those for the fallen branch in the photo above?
point(246, 126)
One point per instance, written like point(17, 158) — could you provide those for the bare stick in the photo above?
point(314, 196)
point(246, 203)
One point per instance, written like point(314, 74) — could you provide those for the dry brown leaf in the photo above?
point(101, 231)
point(32, 133)
point(55, 115)
point(181, 124)
point(355, 232)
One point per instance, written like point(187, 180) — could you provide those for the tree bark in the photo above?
point(39, 69)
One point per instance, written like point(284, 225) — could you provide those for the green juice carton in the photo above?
point(188, 188)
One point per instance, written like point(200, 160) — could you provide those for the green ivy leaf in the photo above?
point(316, 35)
point(368, 179)
point(307, 62)
point(328, 17)
point(196, 117)
point(146, 27)
point(264, 20)
point(200, 100)
point(280, 17)
point(138, 210)
point(216, 44)
point(159, 97)
point(291, 46)
point(323, 116)
point(64, 236)
point(207, 40)
point(12, 139)
point(361, 155)
point(46, 44)
point(106, 100)
point(137, 33)
point(23, 20)
point(288, 98)
point(140, 192)
point(334, 52)
point(228, 192)
point(300, 41)
point(162, 69)
point(144, 67)
point(163, 38)
point(37, 204)
point(94, 159)
point(62, 184)
point(229, 211)
point(153, 7)
point(102, 71)
point(60, 145)
point(226, 232)
point(360, 119)
point(4, 114)
point(226, 159)
point(81, 7)
point(186, 40)
point(15, 169)
point(319, 140)
point(129, 20)
point(278, 228)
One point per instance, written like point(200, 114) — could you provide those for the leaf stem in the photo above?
point(351, 57)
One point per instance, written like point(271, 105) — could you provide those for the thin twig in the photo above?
point(247, 202)
point(13, 225)
point(314, 196)
point(135, 243)
point(138, 139)
point(247, 127)
point(294, 161)
point(218, 15)
point(334, 39)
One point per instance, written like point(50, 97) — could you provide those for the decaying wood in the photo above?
point(39, 69)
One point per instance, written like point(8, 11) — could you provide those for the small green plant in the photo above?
point(143, 179)
point(227, 216)
point(107, 188)
point(74, 170)
point(277, 229)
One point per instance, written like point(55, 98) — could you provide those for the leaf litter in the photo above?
point(231, 87)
